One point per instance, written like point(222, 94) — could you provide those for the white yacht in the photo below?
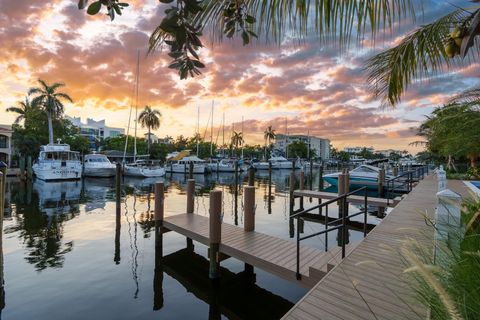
point(144, 169)
point(279, 162)
point(57, 162)
point(183, 165)
point(364, 175)
point(225, 165)
point(98, 165)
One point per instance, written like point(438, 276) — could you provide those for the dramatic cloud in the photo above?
point(311, 85)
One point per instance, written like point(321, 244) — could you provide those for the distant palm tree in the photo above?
point(151, 119)
point(51, 101)
point(23, 109)
point(237, 139)
point(268, 135)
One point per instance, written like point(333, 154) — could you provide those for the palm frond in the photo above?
point(63, 95)
point(418, 56)
point(342, 19)
point(468, 96)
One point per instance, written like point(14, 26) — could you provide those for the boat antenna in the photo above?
point(136, 108)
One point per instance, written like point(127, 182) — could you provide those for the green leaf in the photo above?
point(94, 8)
point(198, 64)
point(250, 19)
point(82, 4)
point(166, 1)
point(246, 38)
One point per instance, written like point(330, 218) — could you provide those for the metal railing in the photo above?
point(340, 223)
point(404, 181)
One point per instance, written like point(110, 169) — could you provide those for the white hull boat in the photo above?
point(225, 165)
point(183, 165)
point(57, 162)
point(98, 165)
point(362, 176)
point(142, 169)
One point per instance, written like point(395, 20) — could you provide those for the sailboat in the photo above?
point(140, 167)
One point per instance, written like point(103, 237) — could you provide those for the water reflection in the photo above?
point(49, 218)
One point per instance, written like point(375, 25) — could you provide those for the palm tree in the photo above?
point(151, 119)
point(430, 49)
point(23, 109)
point(268, 135)
point(47, 97)
point(237, 139)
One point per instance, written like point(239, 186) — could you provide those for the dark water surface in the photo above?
point(66, 256)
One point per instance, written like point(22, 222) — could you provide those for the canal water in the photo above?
point(67, 255)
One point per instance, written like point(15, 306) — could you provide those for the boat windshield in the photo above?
point(59, 155)
point(98, 159)
point(364, 169)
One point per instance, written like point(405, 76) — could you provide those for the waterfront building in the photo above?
point(95, 131)
point(357, 150)
point(6, 148)
point(387, 152)
point(320, 146)
point(153, 138)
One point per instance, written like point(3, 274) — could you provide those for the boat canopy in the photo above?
point(175, 156)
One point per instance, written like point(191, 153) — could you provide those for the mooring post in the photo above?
point(159, 208)
point(251, 176)
point(341, 191)
point(190, 206)
point(291, 189)
point(118, 182)
point(346, 190)
point(190, 171)
point(381, 181)
point(302, 187)
point(215, 232)
point(269, 188)
point(249, 204)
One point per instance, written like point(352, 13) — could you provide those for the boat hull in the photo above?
point(98, 172)
point(143, 172)
point(355, 182)
point(56, 170)
point(181, 168)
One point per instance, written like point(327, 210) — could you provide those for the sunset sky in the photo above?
point(313, 86)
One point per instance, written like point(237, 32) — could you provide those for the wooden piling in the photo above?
point(215, 232)
point(190, 171)
point(251, 176)
point(302, 180)
point(291, 189)
point(190, 195)
point(249, 205)
point(159, 203)
point(341, 191)
point(118, 181)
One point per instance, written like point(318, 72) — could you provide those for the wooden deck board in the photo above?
point(272, 254)
point(380, 290)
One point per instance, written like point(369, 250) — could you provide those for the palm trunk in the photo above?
point(148, 145)
point(50, 128)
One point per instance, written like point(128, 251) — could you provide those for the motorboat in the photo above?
point(144, 169)
point(57, 162)
point(261, 165)
point(364, 175)
point(226, 165)
point(98, 165)
point(183, 165)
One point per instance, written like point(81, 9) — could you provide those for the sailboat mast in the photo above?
point(242, 137)
point(308, 144)
point(211, 131)
point(136, 108)
point(198, 126)
point(223, 135)
point(286, 138)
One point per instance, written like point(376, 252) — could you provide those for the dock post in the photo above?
point(190, 206)
point(346, 190)
point(118, 182)
point(302, 187)
point(215, 232)
point(291, 189)
point(249, 201)
point(341, 191)
point(269, 188)
point(159, 207)
point(311, 174)
point(251, 176)
point(381, 181)
point(190, 171)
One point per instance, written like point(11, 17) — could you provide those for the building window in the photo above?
point(3, 142)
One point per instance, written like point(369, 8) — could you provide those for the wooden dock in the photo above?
point(369, 283)
point(269, 253)
point(380, 202)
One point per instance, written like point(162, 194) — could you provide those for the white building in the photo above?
point(153, 137)
point(6, 143)
point(357, 150)
point(95, 130)
point(387, 152)
point(320, 146)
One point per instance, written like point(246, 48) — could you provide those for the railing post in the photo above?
point(344, 229)
point(249, 205)
point(302, 187)
point(298, 275)
point(215, 232)
point(341, 191)
point(326, 227)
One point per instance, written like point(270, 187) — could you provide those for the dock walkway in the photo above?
point(269, 253)
point(368, 283)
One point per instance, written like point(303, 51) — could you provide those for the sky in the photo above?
point(303, 87)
